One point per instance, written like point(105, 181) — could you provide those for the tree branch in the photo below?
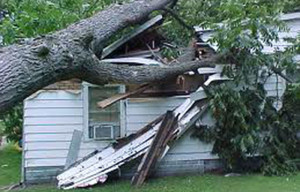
point(28, 67)
point(98, 72)
point(279, 72)
point(177, 17)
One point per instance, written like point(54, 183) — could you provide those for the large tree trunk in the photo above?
point(34, 64)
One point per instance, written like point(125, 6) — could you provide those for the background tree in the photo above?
point(246, 26)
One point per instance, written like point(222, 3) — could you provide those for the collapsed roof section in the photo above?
point(135, 43)
point(143, 46)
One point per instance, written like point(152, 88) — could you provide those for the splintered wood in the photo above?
point(156, 149)
point(152, 140)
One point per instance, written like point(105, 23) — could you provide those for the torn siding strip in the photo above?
point(74, 148)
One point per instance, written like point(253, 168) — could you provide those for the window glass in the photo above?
point(103, 122)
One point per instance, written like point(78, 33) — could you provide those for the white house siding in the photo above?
point(276, 85)
point(50, 117)
point(141, 111)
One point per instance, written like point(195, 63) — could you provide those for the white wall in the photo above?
point(50, 118)
point(143, 110)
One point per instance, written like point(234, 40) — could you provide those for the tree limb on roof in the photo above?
point(28, 67)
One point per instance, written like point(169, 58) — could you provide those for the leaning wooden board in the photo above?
point(156, 149)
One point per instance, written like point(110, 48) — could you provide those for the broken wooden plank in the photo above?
point(109, 101)
point(156, 149)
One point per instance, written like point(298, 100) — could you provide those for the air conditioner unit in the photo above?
point(104, 132)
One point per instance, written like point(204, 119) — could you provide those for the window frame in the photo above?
point(85, 91)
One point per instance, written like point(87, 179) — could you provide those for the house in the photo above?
point(62, 122)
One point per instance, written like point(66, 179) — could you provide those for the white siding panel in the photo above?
point(192, 147)
point(137, 119)
point(99, 145)
point(56, 95)
point(63, 145)
point(274, 79)
point(141, 111)
point(189, 156)
point(36, 129)
point(53, 120)
point(189, 148)
point(55, 154)
point(294, 25)
point(274, 93)
point(45, 145)
point(46, 154)
point(47, 137)
point(297, 58)
point(85, 152)
point(45, 104)
point(50, 117)
point(190, 144)
point(37, 112)
point(274, 86)
point(45, 162)
point(288, 34)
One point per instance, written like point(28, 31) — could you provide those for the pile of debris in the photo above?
point(142, 47)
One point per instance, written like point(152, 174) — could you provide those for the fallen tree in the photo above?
point(73, 53)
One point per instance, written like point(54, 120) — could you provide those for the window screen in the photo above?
point(102, 120)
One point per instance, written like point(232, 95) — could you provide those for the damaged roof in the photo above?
point(139, 30)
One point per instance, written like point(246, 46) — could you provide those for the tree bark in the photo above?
point(31, 65)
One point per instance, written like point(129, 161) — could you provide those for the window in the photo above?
point(103, 123)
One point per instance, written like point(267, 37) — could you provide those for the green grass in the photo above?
point(206, 183)
point(10, 163)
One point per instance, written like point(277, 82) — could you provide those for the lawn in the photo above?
point(207, 183)
point(10, 162)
